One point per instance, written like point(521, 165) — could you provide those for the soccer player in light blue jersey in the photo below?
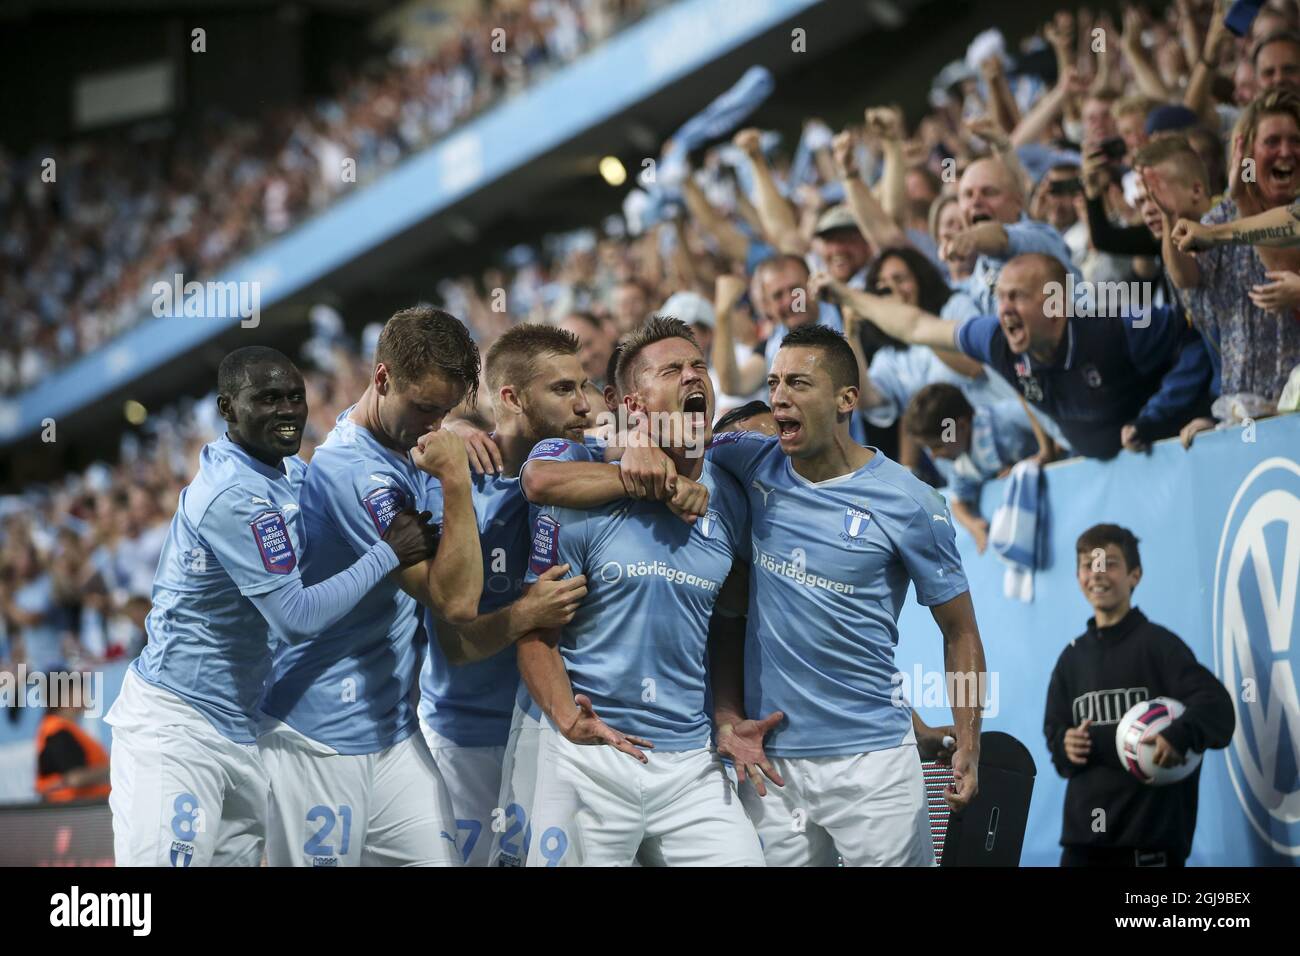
point(838, 532)
point(353, 782)
point(189, 788)
point(577, 474)
point(635, 652)
point(469, 678)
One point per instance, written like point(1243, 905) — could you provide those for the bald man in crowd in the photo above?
point(997, 230)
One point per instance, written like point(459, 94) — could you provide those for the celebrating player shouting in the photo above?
point(635, 653)
point(838, 531)
point(571, 473)
point(189, 788)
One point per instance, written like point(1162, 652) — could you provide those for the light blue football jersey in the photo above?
point(350, 688)
point(236, 533)
point(638, 644)
point(831, 565)
point(470, 704)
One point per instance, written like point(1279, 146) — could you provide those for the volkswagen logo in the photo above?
point(1255, 580)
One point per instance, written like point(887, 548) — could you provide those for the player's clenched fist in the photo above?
point(441, 454)
point(553, 600)
point(690, 500)
point(648, 473)
point(413, 538)
point(1078, 743)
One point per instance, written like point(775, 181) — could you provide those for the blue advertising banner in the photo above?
point(1219, 527)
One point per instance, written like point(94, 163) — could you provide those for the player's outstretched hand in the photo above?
point(965, 780)
point(484, 455)
point(413, 538)
point(691, 500)
point(589, 729)
point(743, 743)
point(554, 599)
point(441, 454)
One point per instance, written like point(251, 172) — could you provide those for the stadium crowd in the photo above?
point(79, 254)
point(1057, 163)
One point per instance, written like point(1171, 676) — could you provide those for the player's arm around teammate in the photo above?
point(643, 471)
point(451, 583)
point(548, 604)
point(265, 417)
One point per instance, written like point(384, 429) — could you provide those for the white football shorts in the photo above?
point(389, 808)
point(596, 806)
point(866, 809)
point(183, 795)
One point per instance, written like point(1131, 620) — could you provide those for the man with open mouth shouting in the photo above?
point(635, 653)
point(838, 533)
point(997, 230)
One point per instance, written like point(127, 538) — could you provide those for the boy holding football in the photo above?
point(1111, 818)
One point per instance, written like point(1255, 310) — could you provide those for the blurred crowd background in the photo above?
point(1045, 131)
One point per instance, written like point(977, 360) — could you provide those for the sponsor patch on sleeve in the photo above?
point(546, 545)
point(550, 448)
point(726, 438)
point(272, 537)
point(383, 505)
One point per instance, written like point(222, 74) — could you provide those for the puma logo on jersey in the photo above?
point(262, 501)
point(382, 479)
point(765, 492)
point(943, 518)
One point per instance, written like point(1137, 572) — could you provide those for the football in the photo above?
point(1151, 716)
